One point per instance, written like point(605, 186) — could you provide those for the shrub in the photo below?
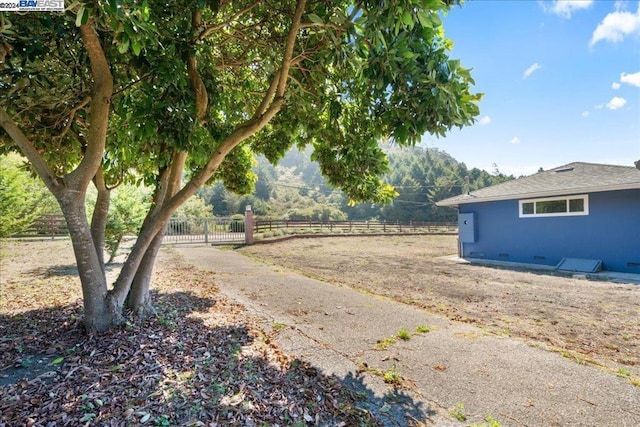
point(22, 198)
point(126, 213)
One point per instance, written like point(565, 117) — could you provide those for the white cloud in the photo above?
point(616, 26)
point(631, 79)
point(616, 102)
point(531, 70)
point(514, 140)
point(615, 85)
point(585, 114)
point(599, 106)
point(484, 121)
point(565, 8)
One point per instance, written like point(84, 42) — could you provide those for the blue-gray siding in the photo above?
point(611, 232)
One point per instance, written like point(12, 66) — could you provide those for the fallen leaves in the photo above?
point(201, 361)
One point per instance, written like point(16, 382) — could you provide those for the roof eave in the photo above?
point(456, 202)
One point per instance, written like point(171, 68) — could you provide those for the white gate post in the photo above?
point(248, 226)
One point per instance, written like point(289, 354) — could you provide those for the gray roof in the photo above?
point(574, 178)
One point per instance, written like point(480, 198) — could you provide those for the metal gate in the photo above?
point(205, 230)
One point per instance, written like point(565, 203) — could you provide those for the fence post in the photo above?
point(52, 225)
point(206, 230)
point(248, 226)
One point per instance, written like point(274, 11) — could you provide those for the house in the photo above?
point(580, 212)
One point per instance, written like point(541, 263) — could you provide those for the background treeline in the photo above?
point(295, 189)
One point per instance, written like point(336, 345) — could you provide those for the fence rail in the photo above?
point(46, 225)
point(232, 230)
point(261, 226)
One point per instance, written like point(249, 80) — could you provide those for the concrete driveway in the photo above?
point(453, 371)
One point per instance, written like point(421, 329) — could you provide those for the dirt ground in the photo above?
point(591, 322)
point(201, 360)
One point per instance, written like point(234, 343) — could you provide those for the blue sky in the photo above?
point(561, 81)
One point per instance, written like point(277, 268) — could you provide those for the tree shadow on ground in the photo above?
point(396, 407)
point(54, 271)
point(67, 270)
point(197, 362)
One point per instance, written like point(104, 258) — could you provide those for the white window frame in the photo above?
point(584, 197)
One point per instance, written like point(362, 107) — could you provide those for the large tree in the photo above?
point(154, 91)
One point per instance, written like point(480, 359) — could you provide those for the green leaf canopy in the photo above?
point(359, 73)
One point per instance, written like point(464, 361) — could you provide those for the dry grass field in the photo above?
point(592, 322)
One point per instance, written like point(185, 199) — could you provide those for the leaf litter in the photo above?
point(200, 361)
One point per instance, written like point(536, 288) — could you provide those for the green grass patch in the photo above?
point(458, 412)
point(404, 334)
point(385, 343)
point(490, 422)
point(392, 376)
point(278, 326)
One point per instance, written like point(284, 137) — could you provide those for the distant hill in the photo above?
point(296, 189)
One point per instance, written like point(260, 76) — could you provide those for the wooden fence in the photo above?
point(263, 226)
point(227, 230)
point(47, 225)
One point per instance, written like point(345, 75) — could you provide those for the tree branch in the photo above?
point(279, 81)
point(99, 111)
point(100, 215)
point(175, 172)
point(242, 132)
point(168, 184)
point(133, 83)
point(208, 30)
point(201, 96)
point(322, 25)
point(274, 98)
point(161, 190)
point(29, 150)
point(288, 51)
point(268, 96)
point(301, 86)
point(155, 221)
point(72, 114)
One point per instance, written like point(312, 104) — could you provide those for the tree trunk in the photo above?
point(99, 222)
point(98, 315)
point(139, 264)
point(139, 299)
point(113, 254)
point(151, 227)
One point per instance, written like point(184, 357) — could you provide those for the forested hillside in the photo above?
point(295, 189)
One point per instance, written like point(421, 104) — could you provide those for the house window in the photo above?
point(555, 206)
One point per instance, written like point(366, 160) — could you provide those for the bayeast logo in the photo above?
point(32, 6)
